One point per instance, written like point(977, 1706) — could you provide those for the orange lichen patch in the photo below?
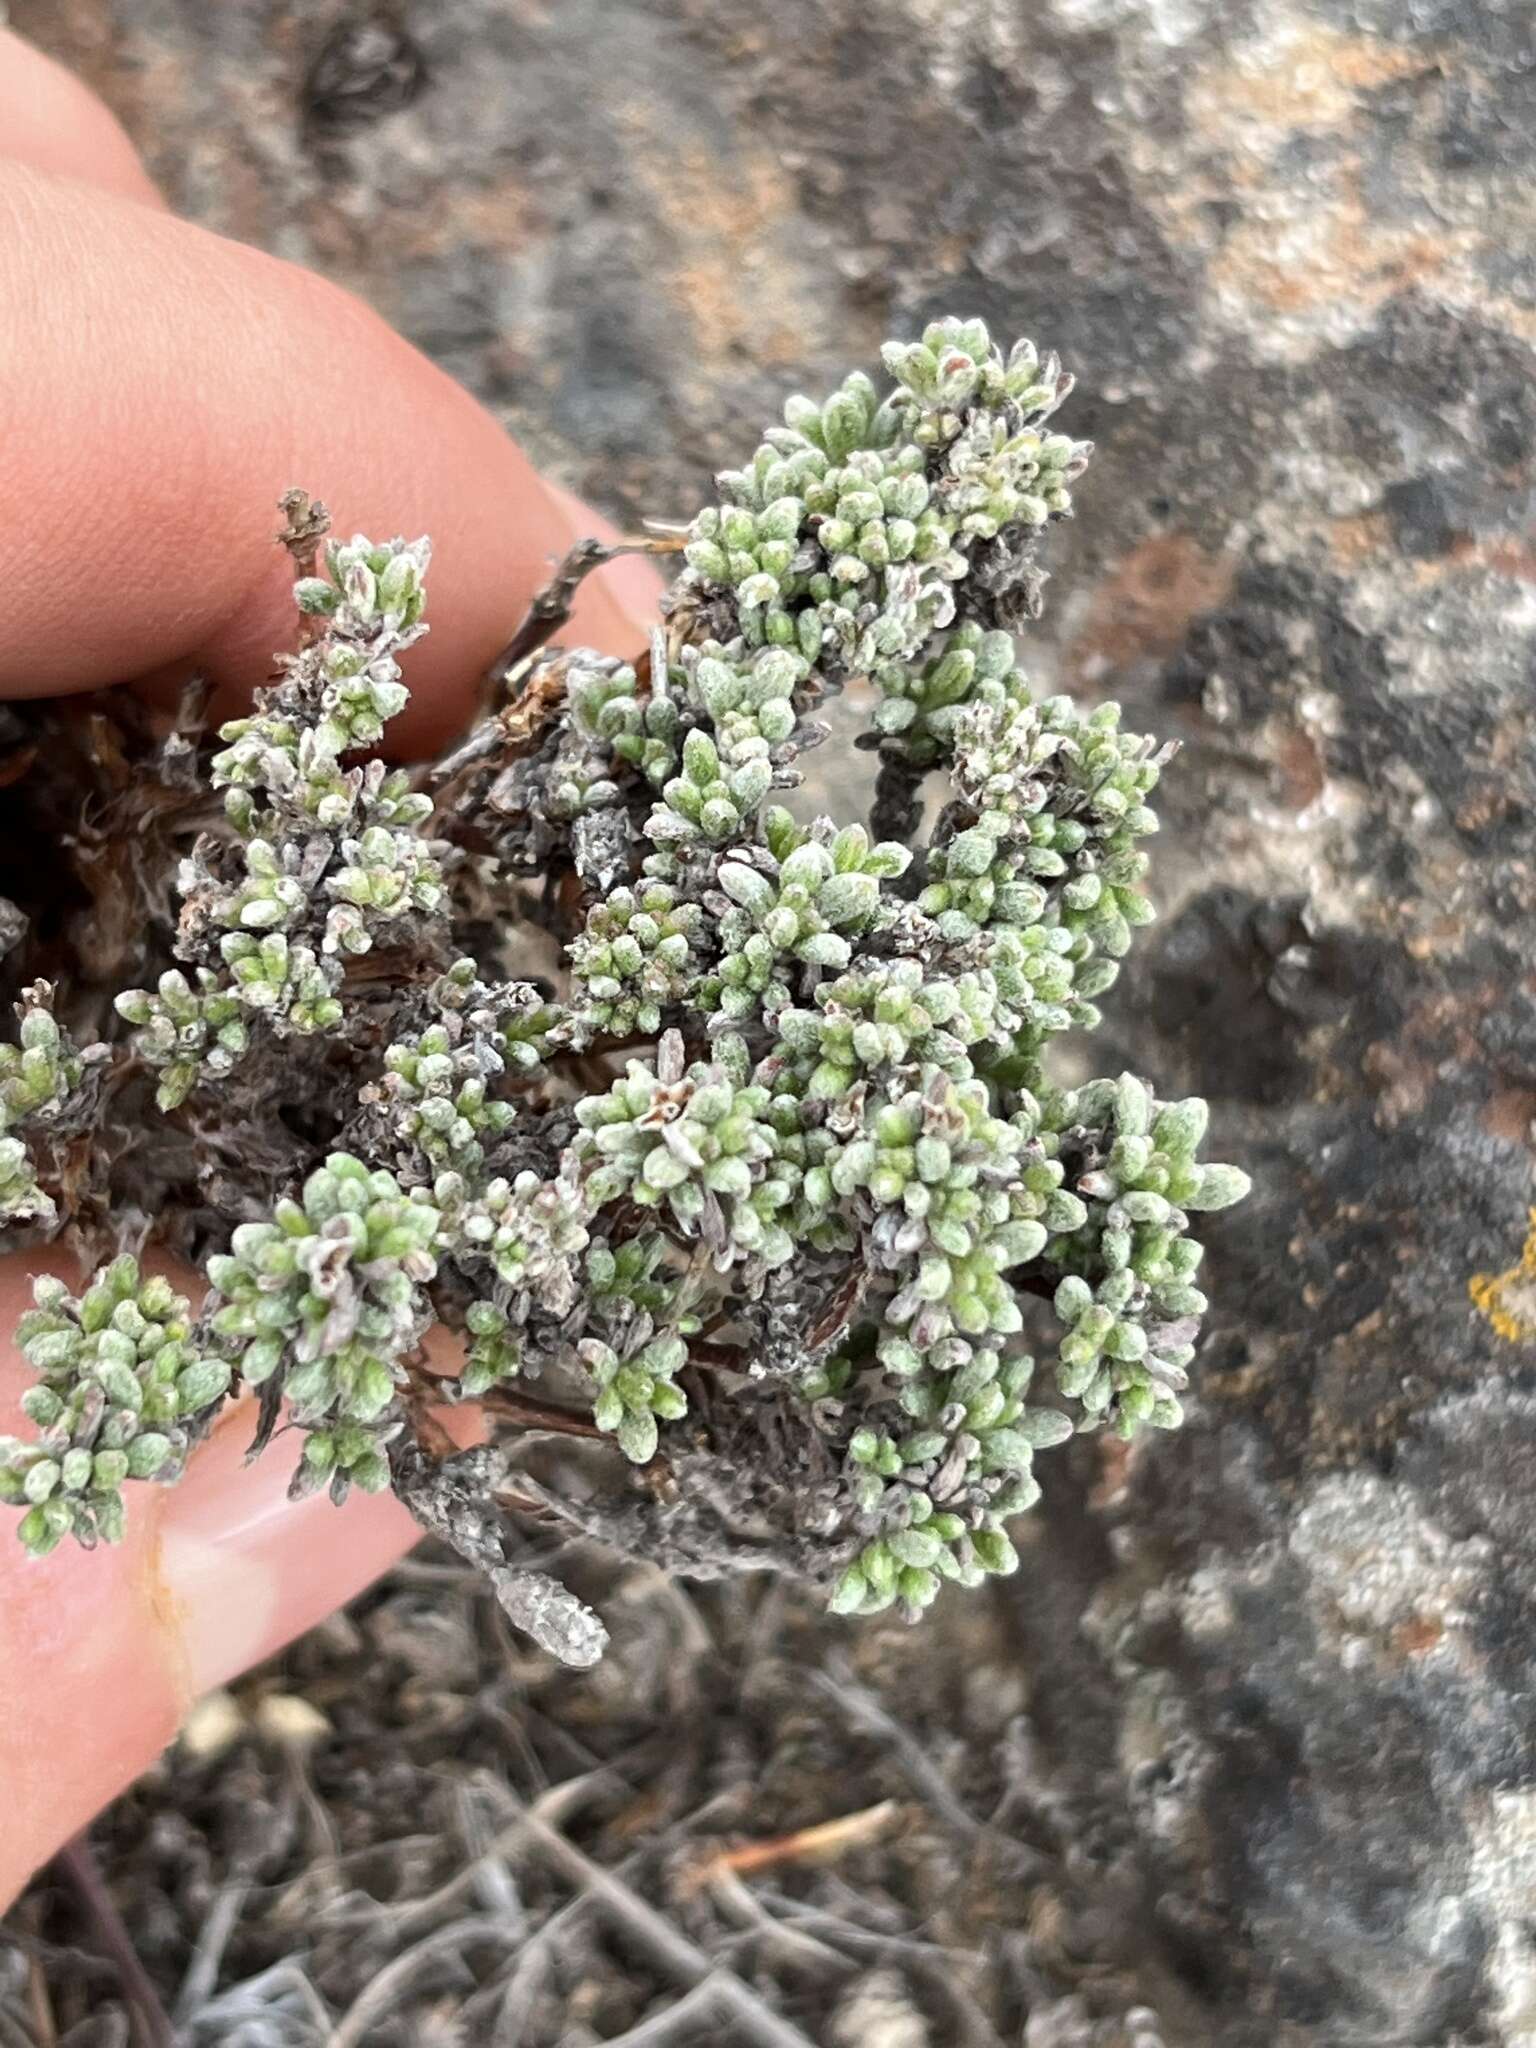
point(1510, 1113)
point(1504, 555)
point(1414, 1638)
point(1488, 802)
point(725, 219)
point(1311, 77)
point(1359, 538)
point(499, 215)
point(1401, 1082)
point(495, 213)
point(1491, 789)
point(1143, 608)
point(1314, 251)
point(1445, 936)
point(1302, 775)
point(1442, 1026)
point(1507, 1301)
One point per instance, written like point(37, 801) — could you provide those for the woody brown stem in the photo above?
point(553, 604)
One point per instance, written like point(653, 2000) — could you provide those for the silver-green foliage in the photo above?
point(39, 1078)
point(329, 855)
point(835, 1177)
point(123, 1383)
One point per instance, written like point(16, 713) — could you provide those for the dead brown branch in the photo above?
point(817, 1844)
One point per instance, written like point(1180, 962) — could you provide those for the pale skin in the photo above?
point(161, 388)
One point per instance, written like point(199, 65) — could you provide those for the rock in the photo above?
point(1282, 1662)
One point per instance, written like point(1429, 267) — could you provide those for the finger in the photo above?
point(104, 1651)
point(162, 387)
point(50, 120)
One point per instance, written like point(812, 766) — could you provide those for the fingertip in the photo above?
point(49, 120)
point(242, 1570)
point(231, 378)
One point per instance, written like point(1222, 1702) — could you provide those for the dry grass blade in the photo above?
point(265, 2008)
point(536, 1956)
point(667, 1948)
point(352, 2030)
point(694, 2006)
point(864, 1712)
point(202, 1971)
point(42, 2006)
point(552, 1805)
point(77, 1866)
point(817, 1844)
point(737, 1902)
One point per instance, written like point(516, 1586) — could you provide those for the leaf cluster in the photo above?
point(776, 1153)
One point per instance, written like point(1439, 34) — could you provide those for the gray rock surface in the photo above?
point(1283, 1693)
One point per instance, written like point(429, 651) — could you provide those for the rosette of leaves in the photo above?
point(850, 526)
point(437, 1095)
point(942, 1484)
point(694, 1141)
point(888, 1015)
point(707, 806)
point(40, 1082)
point(635, 1391)
point(919, 705)
point(635, 958)
point(620, 723)
point(493, 1352)
point(21, 1196)
point(381, 875)
point(747, 699)
point(438, 1085)
point(122, 1387)
point(792, 910)
point(326, 856)
point(938, 1170)
point(41, 1072)
point(328, 1296)
point(187, 1034)
point(526, 1231)
point(1068, 793)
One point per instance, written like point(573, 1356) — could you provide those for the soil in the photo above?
point(375, 1840)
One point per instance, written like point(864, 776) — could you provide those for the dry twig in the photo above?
point(669, 1950)
point(77, 1866)
point(817, 1844)
point(387, 1986)
point(864, 1712)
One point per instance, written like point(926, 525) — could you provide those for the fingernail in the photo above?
point(244, 1569)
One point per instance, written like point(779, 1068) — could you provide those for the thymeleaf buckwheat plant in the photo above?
point(756, 1183)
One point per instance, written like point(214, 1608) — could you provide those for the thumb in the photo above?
point(105, 1650)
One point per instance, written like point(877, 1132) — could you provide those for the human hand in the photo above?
point(161, 388)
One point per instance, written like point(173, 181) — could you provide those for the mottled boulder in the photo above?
point(1284, 1662)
